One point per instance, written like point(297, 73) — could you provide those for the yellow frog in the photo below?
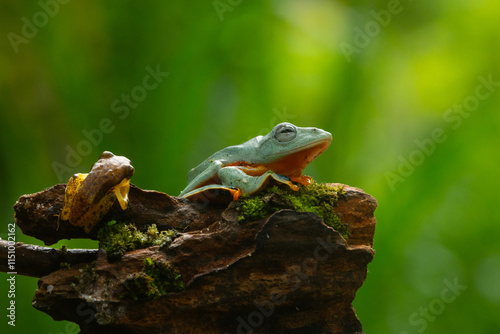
point(89, 197)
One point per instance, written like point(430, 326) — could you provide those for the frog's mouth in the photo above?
point(294, 162)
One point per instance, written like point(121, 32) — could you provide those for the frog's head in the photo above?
point(113, 173)
point(288, 149)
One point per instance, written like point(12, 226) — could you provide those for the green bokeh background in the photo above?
point(235, 74)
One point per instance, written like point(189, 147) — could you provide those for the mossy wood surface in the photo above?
point(176, 266)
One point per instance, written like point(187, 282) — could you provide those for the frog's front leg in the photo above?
point(234, 177)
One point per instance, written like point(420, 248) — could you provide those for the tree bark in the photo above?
point(285, 273)
point(37, 261)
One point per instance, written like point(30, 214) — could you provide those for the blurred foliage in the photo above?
point(234, 75)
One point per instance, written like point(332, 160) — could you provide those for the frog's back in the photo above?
point(222, 158)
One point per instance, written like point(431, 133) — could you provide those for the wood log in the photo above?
point(285, 273)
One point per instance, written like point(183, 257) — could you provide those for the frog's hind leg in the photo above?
point(203, 178)
point(212, 192)
point(235, 177)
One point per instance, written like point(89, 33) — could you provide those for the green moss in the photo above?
point(157, 279)
point(65, 265)
point(119, 238)
point(140, 287)
point(86, 277)
point(166, 278)
point(252, 208)
point(316, 197)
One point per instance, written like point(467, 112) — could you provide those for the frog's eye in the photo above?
point(285, 132)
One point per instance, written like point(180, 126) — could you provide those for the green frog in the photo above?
point(281, 155)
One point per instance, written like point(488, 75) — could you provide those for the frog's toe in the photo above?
point(236, 193)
